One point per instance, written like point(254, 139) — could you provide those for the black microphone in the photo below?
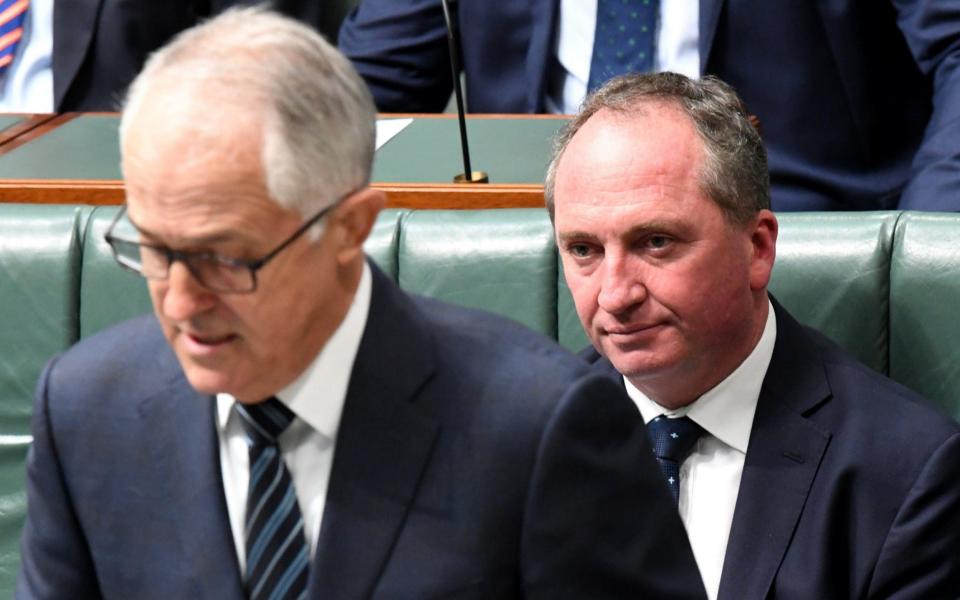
point(468, 175)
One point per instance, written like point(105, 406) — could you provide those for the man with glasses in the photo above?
point(289, 423)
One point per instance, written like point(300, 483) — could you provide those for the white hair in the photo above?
point(316, 113)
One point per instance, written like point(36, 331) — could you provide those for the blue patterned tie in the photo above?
point(672, 440)
point(625, 39)
point(278, 559)
point(12, 15)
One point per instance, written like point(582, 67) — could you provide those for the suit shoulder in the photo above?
point(487, 339)
point(876, 395)
point(130, 355)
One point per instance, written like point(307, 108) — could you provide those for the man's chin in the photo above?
point(636, 365)
point(208, 381)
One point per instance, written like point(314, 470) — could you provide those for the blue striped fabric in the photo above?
point(12, 15)
point(278, 558)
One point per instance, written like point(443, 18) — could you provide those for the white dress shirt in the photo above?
point(28, 84)
point(710, 476)
point(678, 35)
point(316, 398)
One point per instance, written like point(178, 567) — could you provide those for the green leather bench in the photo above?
point(883, 285)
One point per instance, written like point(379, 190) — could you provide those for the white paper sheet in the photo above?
point(387, 128)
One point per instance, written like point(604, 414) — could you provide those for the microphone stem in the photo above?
point(455, 72)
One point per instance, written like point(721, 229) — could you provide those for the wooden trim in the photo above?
point(62, 191)
point(29, 124)
point(421, 196)
point(463, 196)
point(500, 117)
point(40, 125)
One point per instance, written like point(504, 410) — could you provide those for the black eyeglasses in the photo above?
point(217, 273)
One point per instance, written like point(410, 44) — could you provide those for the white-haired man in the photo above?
point(289, 423)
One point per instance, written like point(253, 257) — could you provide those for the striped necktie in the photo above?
point(278, 559)
point(12, 16)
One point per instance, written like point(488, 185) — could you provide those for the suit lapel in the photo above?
point(709, 19)
point(74, 25)
point(383, 445)
point(543, 22)
point(179, 427)
point(783, 456)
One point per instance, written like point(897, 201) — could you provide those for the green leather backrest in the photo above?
point(502, 261)
point(39, 274)
point(832, 273)
point(108, 293)
point(925, 307)
point(384, 241)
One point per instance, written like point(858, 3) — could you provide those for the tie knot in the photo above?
point(673, 439)
point(264, 421)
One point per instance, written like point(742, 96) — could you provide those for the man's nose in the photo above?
point(185, 297)
point(621, 286)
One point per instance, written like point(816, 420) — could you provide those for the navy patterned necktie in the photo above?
point(625, 39)
point(278, 559)
point(672, 440)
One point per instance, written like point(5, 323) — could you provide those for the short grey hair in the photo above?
point(318, 117)
point(734, 173)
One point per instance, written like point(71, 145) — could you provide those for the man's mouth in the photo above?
point(631, 329)
point(632, 333)
point(199, 343)
point(210, 340)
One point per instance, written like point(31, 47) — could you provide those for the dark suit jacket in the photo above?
point(851, 486)
point(99, 46)
point(474, 460)
point(859, 101)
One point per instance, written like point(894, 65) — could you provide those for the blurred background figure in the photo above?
point(859, 102)
point(75, 55)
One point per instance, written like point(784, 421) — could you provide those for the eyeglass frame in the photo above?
point(185, 256)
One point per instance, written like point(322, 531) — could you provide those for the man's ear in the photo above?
point(353, 221)
point(763, 242)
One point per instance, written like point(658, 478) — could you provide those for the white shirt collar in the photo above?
point(725, 411)
point(318, 394)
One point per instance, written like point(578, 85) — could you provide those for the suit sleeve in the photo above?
point(599, 520)
point(55, 561)
point(921, 555)
point(400, 49)
point(932, 31)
